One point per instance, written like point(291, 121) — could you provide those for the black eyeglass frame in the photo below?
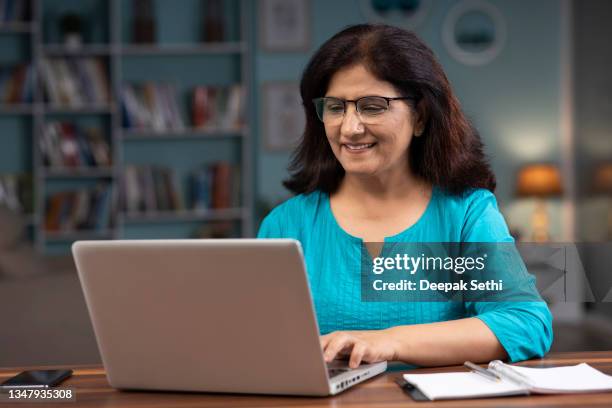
point(355, 101)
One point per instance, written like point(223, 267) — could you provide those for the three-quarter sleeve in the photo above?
point(523, 328)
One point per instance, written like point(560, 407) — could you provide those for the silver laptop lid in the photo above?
point(203, 315)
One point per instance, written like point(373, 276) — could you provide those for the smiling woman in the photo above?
point(388, 156)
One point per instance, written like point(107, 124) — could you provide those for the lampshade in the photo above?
point(539, 180)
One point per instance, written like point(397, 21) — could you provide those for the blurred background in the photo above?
point(176, 119)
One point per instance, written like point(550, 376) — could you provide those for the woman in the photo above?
point(388, 156)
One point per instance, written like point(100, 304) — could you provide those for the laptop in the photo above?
point(227, 315)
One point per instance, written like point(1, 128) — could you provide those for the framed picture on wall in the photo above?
point(284, 25)
point(474, 32)
point(283, 116)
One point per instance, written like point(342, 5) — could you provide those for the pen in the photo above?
point(508, 372)
point(481, 371)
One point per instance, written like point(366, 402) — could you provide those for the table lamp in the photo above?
point(540, 181)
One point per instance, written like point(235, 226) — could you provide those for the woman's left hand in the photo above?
point(370, 346)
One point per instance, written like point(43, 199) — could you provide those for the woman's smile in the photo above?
point(358, 148)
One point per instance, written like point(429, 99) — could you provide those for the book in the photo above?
point(69, 145)
point(144, 27)
point(16, 84)
point(215, 186)
point(214, 26)
point(217, 107)
point(75, 82)
point(152, 107)
point(99, 147)
point(9, 192)
point(513, 380)
point(64, 144)
point(84, 209)
point(199, 106)
point(147, 188)
point(16, 192)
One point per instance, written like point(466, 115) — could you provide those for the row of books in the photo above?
point(76, 82)
point(16, 84)
point(154, 107)
point(64, 144)
point(215, 186)
point(151, 106)
point(85, 209)
point(149, 188)
point(214, 107)
point(13, 11)
point(16, 192)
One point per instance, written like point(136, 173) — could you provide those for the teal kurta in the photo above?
point(333, 265)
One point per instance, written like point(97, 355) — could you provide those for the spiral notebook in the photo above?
point(514, 380)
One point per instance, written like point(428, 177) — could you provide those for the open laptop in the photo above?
point(208, 315)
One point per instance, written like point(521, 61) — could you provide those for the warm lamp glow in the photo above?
point(539, 180)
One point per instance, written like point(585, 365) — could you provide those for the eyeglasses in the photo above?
point(371, 109)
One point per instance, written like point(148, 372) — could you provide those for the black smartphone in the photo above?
point(36, 379)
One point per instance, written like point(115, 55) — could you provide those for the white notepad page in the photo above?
point(462, 385)
point(578, 378)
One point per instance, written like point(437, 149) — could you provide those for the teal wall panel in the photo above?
point(15, 144)
point(15, 49)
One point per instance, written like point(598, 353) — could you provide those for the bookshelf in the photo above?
point(183, 149)
point(16, 27)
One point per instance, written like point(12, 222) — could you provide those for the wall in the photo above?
point(513, 101)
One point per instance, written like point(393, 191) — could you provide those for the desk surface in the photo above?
point(93, 390)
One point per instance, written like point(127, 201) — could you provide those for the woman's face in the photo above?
point(381, 145)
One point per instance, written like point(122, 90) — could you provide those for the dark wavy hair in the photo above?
point(448, 154)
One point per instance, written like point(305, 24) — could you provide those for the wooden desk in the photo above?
point(93, 390)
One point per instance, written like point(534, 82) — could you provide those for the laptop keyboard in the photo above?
point(332, 372)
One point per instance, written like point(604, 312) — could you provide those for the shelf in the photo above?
point(83, 51)
point(184, 216)
point(186, 134)
point(16, 27)
point(78, 172)
point(183, 49)
point(75, 235)
point(78, 110)
point(29, 109)
point(16, 109)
